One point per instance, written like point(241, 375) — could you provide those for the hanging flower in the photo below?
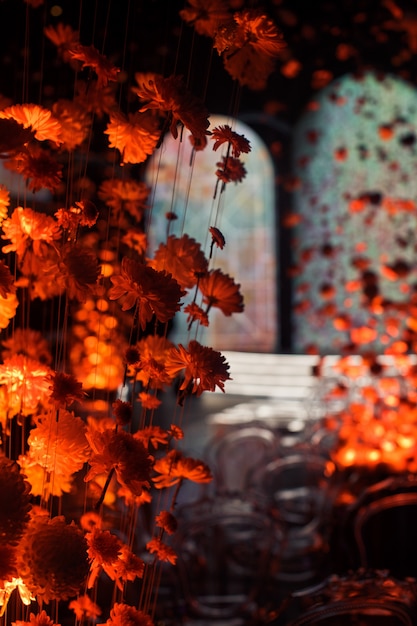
point(27, 228)
point(15, 502)
point(53, 558)
point(221, 291)
point(162, 551)
point(80, 270)
point(230, 170)
point(206, 15)
point(136, 240)
point(7, 285)
point(204, 368)
point(103, 552)
point(122, 412)
point(38, 119)
point(153, 435)
point(74, 120)
point(61, 35)
point(8, 308)
point(217, 237)
point(85, 608)
point(120, 452)
point(28, 342)
point(4, 202)
point(26, 381)
point(13, 137)
point(151, 370)
point(95, 98)
point(171, 96)
point(135, 137)
point(167, 522)
point(174, 467)
point(41, 619)
point(149, 401)
point(91, 57)
point(125, 615)
point(224, 134)
point(196, 313)
point(127, 194)
point(65, 389)
point(156, 293)
point(182, 257)
point(38, 167)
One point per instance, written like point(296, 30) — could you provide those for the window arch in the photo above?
point(355, 245)
point(245, 215)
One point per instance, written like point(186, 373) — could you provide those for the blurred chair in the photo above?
point(224, 550)
point(235, 455)
point(297, 491)
point(381, 526)
point(360, 598)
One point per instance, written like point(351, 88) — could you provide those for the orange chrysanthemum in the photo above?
point(41, 619)
point(127, 194)
point(206, 15)
point(217, 237)
point(16, 502)
point(39, 168)
point(95, 98)
point(167, 522)
point(153, 435)
point(28, 342)
point(26, 229)
point(91, 57)
point(221, 291)
point(156, 293)
point(237, 143)
point(171, 97)
point(136, 136)
point(125, 615)
point(65, 389)
point(8, 308)
point(26, 381)
point(161, 550)
point(75, 122)
point(4, 202)
point(183, 258)
point(122, 453)
point(38, 119)
point(13, 137)
point(80, 270)
point(149, 401)
point(196, 313)
point(85, 608)
point(61, 35)
point(150, 369)
point(52, 558)
point(7, 285)
point(175, 467)
point(203, 368)
point(108, 553)
point(136, 240)
point(231, 170)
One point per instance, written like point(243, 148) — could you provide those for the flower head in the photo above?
point(162, 551)
point(175, 467)
point(41, 619)
point(27, 228)
point(38, 119)
point(224, 134)
point(65, 389)
point(182, 257)
point(15, 502)
point(167, 522)
point(7, 285)
point(91, 57)
point(206, 15)
point(221, 291)
point(203, 367)
point(125, 615)
point(80, 269)
point(84, 608)
point(155, 292)
point(135, 137)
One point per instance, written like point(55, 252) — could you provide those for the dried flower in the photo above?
point(230, 170)
point(135, 137)
point(80, 270)
point(90, 57)
point(156, 293)
point(127, 194)
point(85, 608)
point(153, 435)
point(8, 308)
point(30, 343)
point(122, 412)
point(26, 381)
point(7, 285)
point(53, 558)
point(182, 257)
point(29, 229)
point(38, 119)
point(41, 619)
point(149, 401)
point(65, 389)
point(237, 143)
point(125, 615)
point(121, 452)
point(204, 368)
point(206, 15)
point(13, 137)
point(15, 498)
point(174, 467)
point(196, 313)
point(167, 521)
point(162, 551)
point(221, 291)
point(217, 237)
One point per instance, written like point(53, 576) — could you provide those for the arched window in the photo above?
point(356, 241)
point(245, 214)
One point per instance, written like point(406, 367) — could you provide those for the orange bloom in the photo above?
point(39, 169)
point(74, 121)
point(217, 237)
point(196, 313)
point(204, 367)
point(156, 293)
point(153, 435)
point(29, 229)
point(61, 35)
point(121, 452)
point(38, 119)
point(135, 239)
point(221, 291)
point(7, 285)
point(149, 401)
point(230, 170)
point(161, 550)
point(8, 306)
point(84, 608)
point(171, 96)
point(153, 351)
point(90, 57)
point(127, 194)
point(65, 389)
point(26, 383)
point(122, 412)
point(13, 137)
point(125, 615)
point(80, 270)
point(135, 137)
point(16, 502)
point(41, 619)
point(237, 143)
point(167, 522)
point(174, 467)
point(182, 257)
point(83, 213)
point(4, 202)
point(206, 15)
point(108, 553)
point(95, 98)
